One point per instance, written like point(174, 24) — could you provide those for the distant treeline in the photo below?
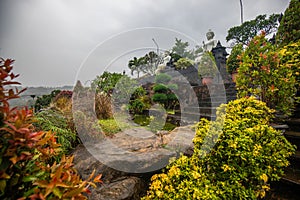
point(28, 97)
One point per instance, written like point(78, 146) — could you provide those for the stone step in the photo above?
point(296, 155)
point(192, 118)
point(281, 127)
point(296, 113)
point(282, 190)
point(213, 99)
point(201, 110)
point(293, 137)
point(294, 124)
point(292, 175)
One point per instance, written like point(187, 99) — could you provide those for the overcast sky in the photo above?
point(55, 42)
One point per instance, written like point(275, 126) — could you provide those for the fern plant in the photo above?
point(51, 120)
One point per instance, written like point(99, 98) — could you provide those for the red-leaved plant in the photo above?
point(26, 170)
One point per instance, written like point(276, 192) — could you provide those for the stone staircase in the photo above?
point(292, 173)
point(289, 185)
point(209, 99)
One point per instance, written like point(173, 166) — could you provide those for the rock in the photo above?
point(85, 163)
point(117, 185)
point(126, 153)
point(130, 188)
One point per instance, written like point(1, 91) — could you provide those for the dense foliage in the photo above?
point(45, 100)
point(164, 91)
point(248, 30)
point(289, 29)
point(180, 48)
point(106, 82)
point(26, 167)
point(162, 78)
point(290, 56)
point(139, 101)
point(54, 121)
point(207, 66)
point(233, 61)
point(263, 73)
point(183, 63)
point(135, 65)
point(235, 157)
point(147, 64)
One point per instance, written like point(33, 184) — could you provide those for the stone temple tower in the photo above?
point(220, 54)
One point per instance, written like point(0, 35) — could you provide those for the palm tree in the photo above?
point(135, 65)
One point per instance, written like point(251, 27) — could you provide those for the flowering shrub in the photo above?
point(26, 170)
point(263, 74)
point(247, 155)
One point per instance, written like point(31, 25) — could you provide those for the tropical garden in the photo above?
point(235, 156)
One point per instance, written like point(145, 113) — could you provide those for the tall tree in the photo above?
point(180, 48)
point(249, 29)
point(150, 64)
point(106, 81)
point(135, 65)
point(289, 29)
point(146, 64)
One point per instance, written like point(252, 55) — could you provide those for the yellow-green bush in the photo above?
point(234, 157)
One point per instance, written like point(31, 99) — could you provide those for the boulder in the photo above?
point(148, 154)
point(116, 185)
point(125, 188)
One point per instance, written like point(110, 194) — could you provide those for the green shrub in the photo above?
point(163, 91)
point(111, 126)
point(161, 88)
point(235, 157)
point(138, 92)
point(171, 97)
point(139, 101)
point(137, 106)
point(207, 66)
point(162, 78)
point(172, 86)
point(289, 31)
point(45, 100)
point(233, 61)
point(160, 98)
